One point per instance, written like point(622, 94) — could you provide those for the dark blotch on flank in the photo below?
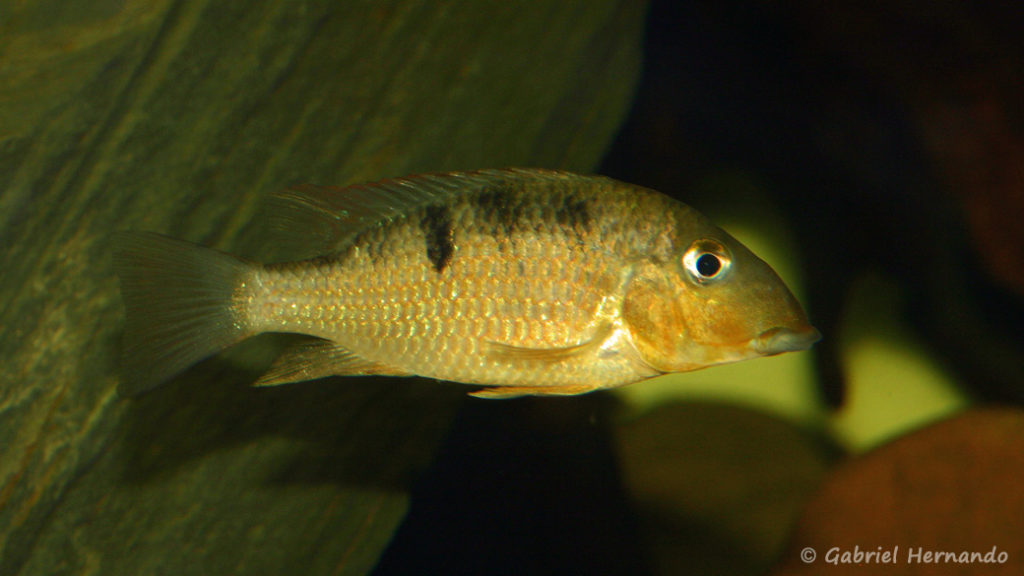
point(502, 208)
point(437, 229)
point(573, 212)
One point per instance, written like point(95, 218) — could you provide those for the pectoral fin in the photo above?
point(510, 352)
point(319, 359)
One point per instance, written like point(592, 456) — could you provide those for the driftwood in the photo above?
point(179, 117)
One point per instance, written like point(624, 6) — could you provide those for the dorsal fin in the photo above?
point(312, 220)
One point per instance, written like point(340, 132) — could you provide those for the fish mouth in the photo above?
point(781, 339)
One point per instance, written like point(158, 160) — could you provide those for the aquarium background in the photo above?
point(871, 154)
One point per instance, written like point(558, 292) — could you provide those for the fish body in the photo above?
point(520, 281)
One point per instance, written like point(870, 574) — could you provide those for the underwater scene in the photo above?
point(530, 287)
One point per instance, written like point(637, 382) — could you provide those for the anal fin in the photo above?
point(320, 359)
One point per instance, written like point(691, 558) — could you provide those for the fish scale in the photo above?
point(524, 281)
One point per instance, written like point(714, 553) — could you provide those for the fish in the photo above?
point(517, 281)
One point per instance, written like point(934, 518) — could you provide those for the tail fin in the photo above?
point(178, 299)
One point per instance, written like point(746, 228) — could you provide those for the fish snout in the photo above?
point(783, 339)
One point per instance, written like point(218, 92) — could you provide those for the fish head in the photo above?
point(712, 301)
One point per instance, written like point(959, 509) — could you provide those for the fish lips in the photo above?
point(784, 339)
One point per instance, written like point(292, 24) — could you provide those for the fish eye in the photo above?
point(707, 260)
point(708, 265)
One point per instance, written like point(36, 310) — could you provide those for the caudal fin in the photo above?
point(178, 302)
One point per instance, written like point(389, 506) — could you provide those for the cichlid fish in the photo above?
point(521, 281)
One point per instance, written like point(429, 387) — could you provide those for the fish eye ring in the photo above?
point(707, 260)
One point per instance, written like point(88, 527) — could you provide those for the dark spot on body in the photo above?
point(572, 212)
point(501, 208)
point(437, 231)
